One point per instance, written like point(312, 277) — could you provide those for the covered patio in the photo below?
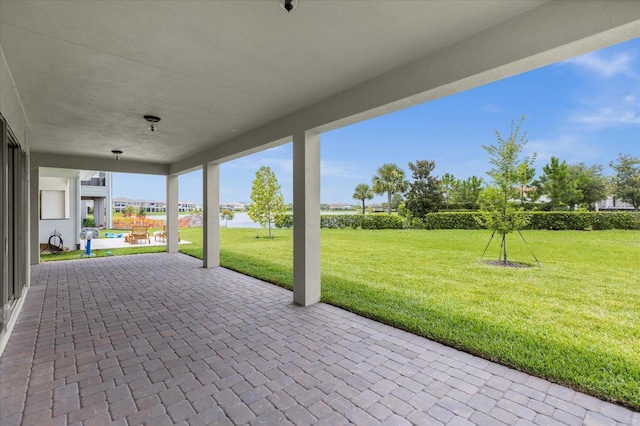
point(157, 339)
point(164, 338)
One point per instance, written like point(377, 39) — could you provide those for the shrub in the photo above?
point(538, 220)
point(88, 223)
point(382, 221)
point(284, 221)
point(370, 221)
point(340, 221)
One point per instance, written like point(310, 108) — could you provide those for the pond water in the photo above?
point(240, 220)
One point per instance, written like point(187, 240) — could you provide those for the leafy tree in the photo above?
point(448, 186)
point(424, 194)
point(142, 212)
point(227, 215)
point(497, 213)
point(556, 182)
point(363, 192)
point(626, 182)
point(469, 190)
point(268, 202)
point(128, 211)
point(390, 180)
point(590, 183)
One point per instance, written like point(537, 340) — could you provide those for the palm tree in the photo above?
point(363, 192)
point(390, 179)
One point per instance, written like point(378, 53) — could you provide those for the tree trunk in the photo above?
point(504, 247)
point(389, 201)
point(363, 206)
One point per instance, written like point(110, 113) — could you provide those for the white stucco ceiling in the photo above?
point(87, 72)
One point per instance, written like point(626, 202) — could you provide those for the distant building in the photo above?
point(120, 204)
point(235, 206)
point(188, 206)
point(340, 206)
point(150, 206)
point(95, 192)
point(611, 203)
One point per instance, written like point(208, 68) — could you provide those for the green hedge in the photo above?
point(538, 220)
point(370, 221)
point(584, 220)
point(467, 220)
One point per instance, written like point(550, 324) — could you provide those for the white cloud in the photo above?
point(278, 165)
point(341, 169)
point(605, 67)
point(607, 117)
point(491, 108)
point(566, 147)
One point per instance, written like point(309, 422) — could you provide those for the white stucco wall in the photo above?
point(69, 228)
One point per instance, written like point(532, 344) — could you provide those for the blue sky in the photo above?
point(586, 109)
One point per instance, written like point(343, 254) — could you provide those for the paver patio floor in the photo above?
point(156, 339)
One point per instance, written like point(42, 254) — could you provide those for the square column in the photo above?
point(172, 214)
point(98, 211)
point(211, 204)
point(306, 218)
point(34, 217)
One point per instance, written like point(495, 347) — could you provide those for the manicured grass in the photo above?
point(576, 321)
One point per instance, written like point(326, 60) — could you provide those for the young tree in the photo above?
point(626, 182)
point(390, 180)
point(448, 187)
point(142, 212)
point(363, 192)
point(227, 215)
point(506, 173)
point(424, 194)
point(557, 184)
point(268, 202)
point(129, 211)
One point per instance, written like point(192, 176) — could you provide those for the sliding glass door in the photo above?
point(13, 222)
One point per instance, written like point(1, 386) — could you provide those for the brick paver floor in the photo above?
point(156, 339)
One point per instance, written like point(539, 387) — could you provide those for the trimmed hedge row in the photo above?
point(370, 221)
point(538, 220)
point(467, 220)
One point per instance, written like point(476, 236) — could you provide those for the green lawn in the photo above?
point(576, 321)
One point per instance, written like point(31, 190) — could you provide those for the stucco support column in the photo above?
point(306, 218)
point(34, 215)
point(211, 205)
point(109, 201)
point(172, 213)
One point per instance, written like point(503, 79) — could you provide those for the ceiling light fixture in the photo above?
point(288, 5)
point(153, 122)
point(116, 153)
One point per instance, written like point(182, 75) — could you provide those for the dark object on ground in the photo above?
point(507, 264)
